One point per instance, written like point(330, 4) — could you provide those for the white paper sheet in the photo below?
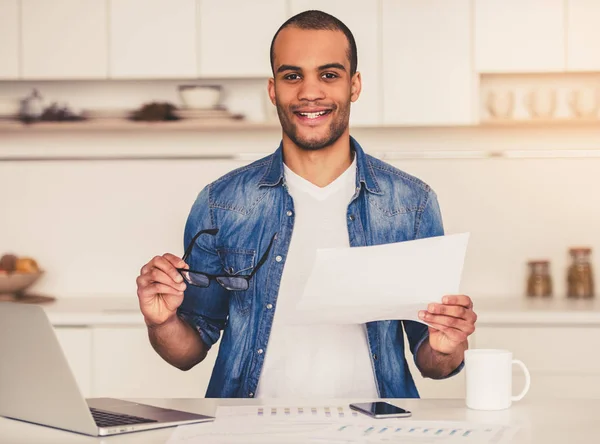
point(383, 282)
point(291, 430)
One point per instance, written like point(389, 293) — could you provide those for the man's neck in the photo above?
point(320, 167)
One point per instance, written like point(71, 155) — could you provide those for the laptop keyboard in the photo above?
point(109, 419)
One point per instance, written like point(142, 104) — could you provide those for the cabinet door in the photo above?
point(427, 69)
point(519, 36)
point(126, 365)
point(9, 39)
point(152, 38)
point(235, 36)
point(583, 35)
point(64, 39)
point(362, 18)
point(76, 343)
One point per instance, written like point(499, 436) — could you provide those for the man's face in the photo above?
point(312, 87)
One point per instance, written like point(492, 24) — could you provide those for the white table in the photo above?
point(547, 422)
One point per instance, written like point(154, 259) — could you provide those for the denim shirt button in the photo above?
point(251, 394)
point(289, 212)
point(375, 357)
point(278, 258)
point(351, 217)
point(260, 351)
point(269, 306)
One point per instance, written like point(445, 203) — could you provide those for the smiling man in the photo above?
point(251, 239)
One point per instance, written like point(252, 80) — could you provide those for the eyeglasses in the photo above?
point(227, 281)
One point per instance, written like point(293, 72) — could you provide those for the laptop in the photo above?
point(37, 385)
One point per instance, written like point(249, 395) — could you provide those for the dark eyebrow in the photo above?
point(321, 68)
point(288, 68)
point(332, 65)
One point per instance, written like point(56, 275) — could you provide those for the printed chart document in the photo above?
point(382, 282)
point(331, 424)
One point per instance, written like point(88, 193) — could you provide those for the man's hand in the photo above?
point(450, 323)
point(160, 289)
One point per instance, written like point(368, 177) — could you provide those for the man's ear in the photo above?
point(271, 89)
point(356, 87)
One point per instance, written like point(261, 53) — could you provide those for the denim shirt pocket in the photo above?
point(238, 261)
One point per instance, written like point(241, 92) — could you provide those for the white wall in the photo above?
point(92, 224)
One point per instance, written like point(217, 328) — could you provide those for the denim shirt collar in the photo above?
point(364, 170)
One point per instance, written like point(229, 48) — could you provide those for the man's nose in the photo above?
point(311, 90)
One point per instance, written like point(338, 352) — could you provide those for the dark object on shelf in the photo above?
point(32, 107)
point(156, 112)
point(580, 278)
point(57, 113)
point(539, 283)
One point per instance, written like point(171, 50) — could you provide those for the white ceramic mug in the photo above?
point(489, 379)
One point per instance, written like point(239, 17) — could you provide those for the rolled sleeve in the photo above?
point(205, 309)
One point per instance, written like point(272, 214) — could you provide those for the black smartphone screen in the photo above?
point(380, 408)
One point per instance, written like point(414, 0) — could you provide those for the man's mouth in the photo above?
point(313, 115)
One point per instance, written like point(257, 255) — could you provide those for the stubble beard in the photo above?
point(337, 127)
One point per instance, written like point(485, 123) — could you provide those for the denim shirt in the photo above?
point(251, 204)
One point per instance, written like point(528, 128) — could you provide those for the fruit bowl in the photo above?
point(16, 282)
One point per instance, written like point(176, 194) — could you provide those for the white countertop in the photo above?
point(540, 422)
point(122, 310)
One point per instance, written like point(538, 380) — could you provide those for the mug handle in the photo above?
point(527, 380)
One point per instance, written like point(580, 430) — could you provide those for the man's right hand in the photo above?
point(160, 289)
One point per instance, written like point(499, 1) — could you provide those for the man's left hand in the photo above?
point(450, 323)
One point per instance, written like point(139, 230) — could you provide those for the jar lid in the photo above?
point(584, 250)
point(539, 262)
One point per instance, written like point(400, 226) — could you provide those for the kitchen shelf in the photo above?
point(125, 125)
point(535, 123)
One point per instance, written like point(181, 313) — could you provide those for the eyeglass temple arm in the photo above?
point(188, 250)
point(263, 259)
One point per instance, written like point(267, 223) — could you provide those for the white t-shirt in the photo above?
point(315, 360)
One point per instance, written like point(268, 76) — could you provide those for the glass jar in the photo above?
point(539, 282)
point(579, 278)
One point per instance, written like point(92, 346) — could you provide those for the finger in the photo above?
point(452, 333)
point(151, 290)
point(458, 299)
point(159, 262)
point(448, 321)
point(455, 311)
point(176, 261)
point(159, 276)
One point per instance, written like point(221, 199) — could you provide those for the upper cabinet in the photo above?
point(583, 35)
point(520, 36)
point(63, 39)
point(9, 39)
point(152, 39)
point(234, 36)
point(363, 20)
point(428, 78)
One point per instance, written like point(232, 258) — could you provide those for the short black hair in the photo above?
point(319, 20)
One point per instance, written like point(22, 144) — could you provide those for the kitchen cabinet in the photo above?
point(583, 35)
point(9, 39)
point(234, 36)
point(126, 365)
point(363, 20)
point(76, 343)
point(519, 36)
point(152, 39)
point(63, 39)
point(428, 77)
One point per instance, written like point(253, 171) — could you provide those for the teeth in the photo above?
point(313, 115)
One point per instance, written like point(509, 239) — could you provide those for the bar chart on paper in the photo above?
point(423, 432)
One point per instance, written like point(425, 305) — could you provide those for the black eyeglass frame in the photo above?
point(215, 277)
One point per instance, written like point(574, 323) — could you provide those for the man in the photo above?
point(251, 238)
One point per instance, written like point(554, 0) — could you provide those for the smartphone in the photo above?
point(380, 410)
